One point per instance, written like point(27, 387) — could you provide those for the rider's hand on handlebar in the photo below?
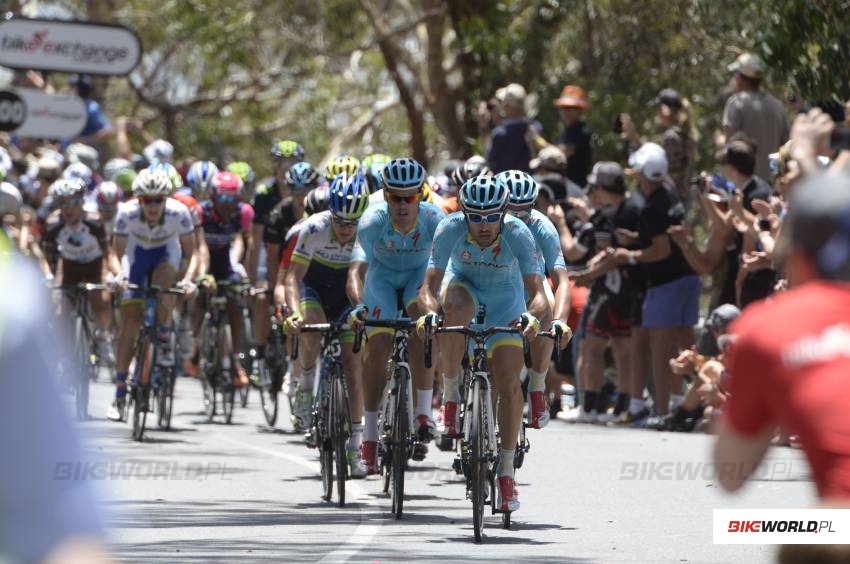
point(530, 326)
point(559, 326)
point(187, 286)
point(356, 316)
point(429, 318)
point(292, 324)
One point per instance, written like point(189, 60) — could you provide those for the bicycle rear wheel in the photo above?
point(339, 434)
point(400, 436)
point(479, 481)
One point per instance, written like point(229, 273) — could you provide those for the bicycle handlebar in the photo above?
point(334, 326)
point(153, 289)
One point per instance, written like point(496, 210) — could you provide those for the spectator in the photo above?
point(754, 112)
point(674, 119)
point(671, 304)
point(98, 127)
point(511, 144)
point(575, 139)
point(549, 167)
point(788, 366)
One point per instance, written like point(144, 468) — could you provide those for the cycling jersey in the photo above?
point(191, 203)
point(548, 242)
point(81, 247)
point(219, 235)
point(279, 221)
point(492, 275)
point(397, 261)
point(266, 197)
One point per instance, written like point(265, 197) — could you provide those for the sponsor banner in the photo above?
point(68, 46)
point(51, 116)
point(781, 526)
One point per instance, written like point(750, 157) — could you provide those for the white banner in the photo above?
point(781, 526)
point(51, 116)
point(68, 46)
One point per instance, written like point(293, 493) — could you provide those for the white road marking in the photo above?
point(365, 531)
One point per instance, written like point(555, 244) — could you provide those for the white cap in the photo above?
point(651, 160)
point(10, 199)
point(160, 151)
point(514, 93)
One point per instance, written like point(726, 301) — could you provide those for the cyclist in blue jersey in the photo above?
point(387, 268)
point(491, 259)
point(315, 293)
point(523, 194)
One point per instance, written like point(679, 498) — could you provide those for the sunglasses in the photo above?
point(151, 201)
point(481, 218)
point(226, 199)
point(345, 222)
point(394, 198)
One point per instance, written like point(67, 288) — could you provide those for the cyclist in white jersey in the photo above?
point(152, 234)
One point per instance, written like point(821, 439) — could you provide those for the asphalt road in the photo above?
point(210, 492)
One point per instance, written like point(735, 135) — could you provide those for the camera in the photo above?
point(697, 184)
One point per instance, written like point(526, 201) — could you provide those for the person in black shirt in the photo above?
point(510, 143)
point(575, 139)
point(671, 305)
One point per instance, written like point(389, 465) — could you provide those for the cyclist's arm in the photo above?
point(428, 302)
point(563, 298)
point(119, 244)
point(356, 277)
point(202, 255)
point(254, 253)
point(272, 258)
point(537, 301)
point(187, 243)
point(292, 284)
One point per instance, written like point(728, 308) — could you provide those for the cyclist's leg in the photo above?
point(505, 366)
point(459, 306)
point(541, 354)
point(423, 378)
point(128, 332)
point(380, 297)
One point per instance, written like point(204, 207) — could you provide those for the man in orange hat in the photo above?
point(575, 139)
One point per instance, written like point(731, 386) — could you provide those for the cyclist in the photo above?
point(388, 263)
point(343, 164)
point(523, 195)
point(263, 259)
point(152, 233)
point(122, 173)
point(244, 171)
point(81, 246)
point(490, 256)
point(315, 293)
point(224, 220)
point(372, 165)
point(107, 195)
point(200, 178)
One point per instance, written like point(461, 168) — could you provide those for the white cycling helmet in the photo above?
point(10, 199)
point(152, 182)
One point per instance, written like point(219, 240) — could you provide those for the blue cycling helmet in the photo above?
point(301, 176)
point(373, 176)
point(200, 176)
point(404, 176)
point(348, 197)
point(522, 187)
point(484, 194)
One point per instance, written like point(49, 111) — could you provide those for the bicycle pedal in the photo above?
point(457, 466)
point(418, 452)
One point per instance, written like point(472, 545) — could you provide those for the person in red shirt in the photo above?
point(790, 361)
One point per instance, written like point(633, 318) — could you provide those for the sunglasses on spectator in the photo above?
point(482, 218)
point(151, 201)
point(395, 198)
point(345, 222)
point(226, 199)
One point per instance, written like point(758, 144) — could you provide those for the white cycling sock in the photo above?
point(356, 436)
point(370, 428)
point(423, 402)
point(451, 388)
point(635, 405)
point(308, 375)
point(506, 462)
point(537, 382)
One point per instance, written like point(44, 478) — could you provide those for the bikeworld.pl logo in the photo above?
point(40, 43)
point(140, 470)
point(780, 527)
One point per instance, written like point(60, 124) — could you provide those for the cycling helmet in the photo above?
point(372, 165)
point(114, 166)
point(226, 183)
point(152, 182)
point(159, 151)
point(10, 199)
point(483, 194)
point(301, 176)
point(243, 170)
point(425, 194)
point(79, 171)
point(171, 172)
point(375, 158)
point(316, 200)
point(124, 179)
point(200, 177)
point(349, 196)
point(404, 176)
point(81, 153)
point(522, 187)
point(66, 188)
point(343, 164)
point(287, 148)
point(107, 194)
point(474, 166)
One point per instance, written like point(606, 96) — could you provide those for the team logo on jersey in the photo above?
point(390, 245)
point(466, 255)
point(416, 237)
point(496, 250)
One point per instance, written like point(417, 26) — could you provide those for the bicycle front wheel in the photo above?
point(478, 478)
point(141, 388)
point(166, 398)
point(81, 386)
point(400, 436)
point(268, 392)
point(339, 434)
